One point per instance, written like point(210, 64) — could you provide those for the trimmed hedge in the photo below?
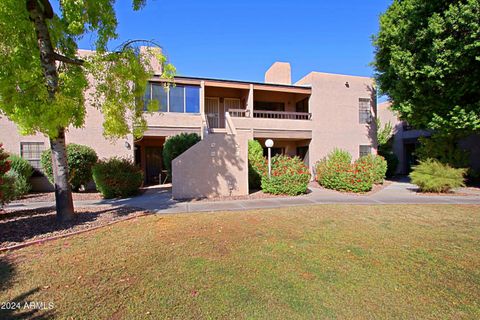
point(175, 146)
point(337, 172)
point(117, 177)
point(80, 160)
point(290, 176)
point(433, 176)
point(257, 164)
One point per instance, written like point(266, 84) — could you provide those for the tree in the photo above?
point(427, 61)
point(42, 80)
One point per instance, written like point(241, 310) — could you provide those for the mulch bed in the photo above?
point(50, 197)
point(20, 226)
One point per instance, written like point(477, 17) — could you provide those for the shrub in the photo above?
point(433, 176)
point(117, 177)
point(21, 171)
point(19, 184)
point(21, 166)
point(337, 172)
point(289, 176)
point(80, 160)
point(257, 164)
point(175, 146)
point(6, 182)
point(373, 165)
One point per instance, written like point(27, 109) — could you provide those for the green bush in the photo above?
point(117, 177)
point(21, 171)
point(175, 146)
point(373, 165)
point(337, 172)
point(20, 166)
point(80, 160)
point(289, 176)
point(433, 176)
point(20, 185)
point(257, 164)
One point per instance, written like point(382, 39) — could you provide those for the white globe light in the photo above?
point(269, 143)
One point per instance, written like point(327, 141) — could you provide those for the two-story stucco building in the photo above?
point(308, 118)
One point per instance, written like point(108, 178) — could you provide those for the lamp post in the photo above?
point(269, 145)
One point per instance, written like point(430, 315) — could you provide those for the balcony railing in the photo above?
point(282, 115)
point(271, 114)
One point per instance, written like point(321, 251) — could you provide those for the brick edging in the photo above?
point(66, 235)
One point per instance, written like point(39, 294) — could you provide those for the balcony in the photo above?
point(273, 124)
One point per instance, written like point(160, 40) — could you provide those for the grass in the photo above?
point(338, 261)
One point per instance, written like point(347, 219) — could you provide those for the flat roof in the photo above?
point(245, 82)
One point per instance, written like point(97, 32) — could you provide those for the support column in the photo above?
point(202, 109)
point(250, 102)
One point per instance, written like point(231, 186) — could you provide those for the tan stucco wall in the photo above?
point(217, 165)
point(335, 114)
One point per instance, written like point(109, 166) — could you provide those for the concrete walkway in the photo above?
point(159, 200)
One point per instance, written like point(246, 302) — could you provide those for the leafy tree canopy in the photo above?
point(428, 62)
point(119, 77)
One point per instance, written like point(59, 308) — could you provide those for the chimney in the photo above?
point(279, 73)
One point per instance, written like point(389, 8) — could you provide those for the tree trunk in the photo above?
point(63, 194)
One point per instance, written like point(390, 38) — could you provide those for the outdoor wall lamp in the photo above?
point(269, 145)
point(127, 145)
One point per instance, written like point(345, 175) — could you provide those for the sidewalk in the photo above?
point(159, 200)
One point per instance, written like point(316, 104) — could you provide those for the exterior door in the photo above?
point(212, 110)
point(153, 164)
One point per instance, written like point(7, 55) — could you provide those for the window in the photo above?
point(365, 115)
point(302, 106)
point(32, 151)
point(192, 99)
point(174, 98)
point(365, 150)
point(159, 93)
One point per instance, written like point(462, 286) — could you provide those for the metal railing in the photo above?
point(239, 113)
point(242, 113)
point(282, 115)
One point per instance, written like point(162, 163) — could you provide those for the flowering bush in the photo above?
point(374, 165)
point(337, 172)
point(289, 176)
point(6, 182)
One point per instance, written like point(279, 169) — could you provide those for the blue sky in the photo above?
point(241, 39)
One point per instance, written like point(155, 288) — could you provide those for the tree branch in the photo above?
point(59, 57)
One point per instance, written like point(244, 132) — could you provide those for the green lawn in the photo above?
point(338, 261)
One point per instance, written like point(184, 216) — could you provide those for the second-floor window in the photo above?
point(364, 112)
point(178, 98)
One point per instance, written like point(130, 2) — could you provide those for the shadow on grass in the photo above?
point(23, 225)
point(21, 306)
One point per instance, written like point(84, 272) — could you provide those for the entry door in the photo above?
point(153, 164)
point(212, 110)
